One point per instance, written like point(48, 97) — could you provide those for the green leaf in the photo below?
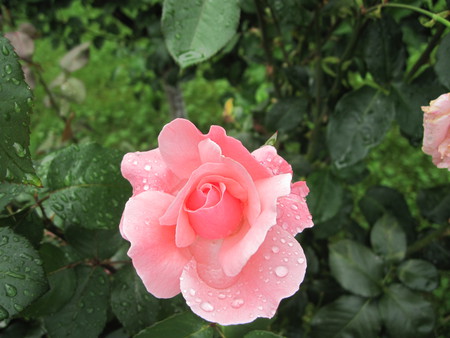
point(419, 275)
point(16, 100)
point(135, 308)
point(356, 268)
point(359, 123)
point(348, 316)
point(409, 99)
point(197, 29)
point(325, 197)
point(21, 273)
point(86, 187)
point(383, 49)
point(381, 200)
point(286, 114)
point(388, 239)
point(261, 334)
point(240, 330)
point(184, 324)
point(442, 66)
point(85, 314)
point(405, 313)
point(98, 243)
point(433, 204)
point(62, 281)
point(9, 192)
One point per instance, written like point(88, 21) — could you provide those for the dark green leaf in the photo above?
point(286, 114)
point(381, 200)
point(61, 278)
point(442, 66)
point(85, 314)
point(9, 192)
point(86, 187)
point(359, 123)
point(418, 274)
point(405, 313)
point(21, 273)
point(98, 243)
point(16, 100)
point(197, 29)
point(135, 308)
point(434, 204)
point(325, 197)
point(348, 316)
point(240, 330)
point(383, 49)
point(388, 239)
point(356, 268)
point(261, 334)
point(184, 324)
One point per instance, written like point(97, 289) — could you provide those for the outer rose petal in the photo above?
point(293, 213)
point(147, 171)
point(237, 249)
point(268, 157)
point(436, 136)
point(274, 272)
point(156, 258)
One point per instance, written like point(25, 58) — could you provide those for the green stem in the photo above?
point(432, 15)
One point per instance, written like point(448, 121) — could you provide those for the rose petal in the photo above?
point(237, 249)
point(157, 260)
point(178, 143)
point(273, 273)
point(234, 149)
point(268, 157)
point(147, 171)
point(293, 213)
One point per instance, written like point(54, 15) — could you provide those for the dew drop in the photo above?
point(3, 313)
point(11, 291)
point(207, 307)
point(266, 256)
point(5, 50)
point(281, 271)
point(275, 249)
point(297, 217)
point(146, 187)
point(221, 296)
point(20, 151)
point(283, 240)
point(237, 303)
point(8, 69)
point(301, 260)
point(192, 292)
point(148, 167)
point(18, 307)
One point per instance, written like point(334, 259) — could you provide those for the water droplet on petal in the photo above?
point(205, 306)
point(237, 303)
point(148, 167)
point(275, 249)
point(192, 292)
point(221, 296)
point(281, 271)
point(301, 260)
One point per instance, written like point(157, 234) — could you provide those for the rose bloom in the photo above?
point(436, 137)
point(216, 222)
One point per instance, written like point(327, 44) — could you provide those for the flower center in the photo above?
point(213, 212)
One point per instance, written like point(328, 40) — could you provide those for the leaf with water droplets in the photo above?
point(197, 29)
point(135, 308)
point(359, 123)
point(21, 273)
point(15, 160)
point(86, 187)
point(85, 313)
point(184, 324)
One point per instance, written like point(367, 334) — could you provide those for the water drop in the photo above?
point(58, 206)
point(11, 291)
point(8, 69)
point(192, 292)
point(18, 307)
point(267, 257)
point(297, 217)
point(301, 260)
point(207, 307)
point(237, 303)
point(148, 167)
point(3, 313)
point(146, 187)
point(281, 271)
point(30, 102)
point(5, 50)
point(275, 249)
point(89, 310)
point(4, 241)
point(14, 275)
point(221, 296)
point(20, 151)
point(294, 207)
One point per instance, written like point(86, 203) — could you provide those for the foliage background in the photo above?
point(342, 82)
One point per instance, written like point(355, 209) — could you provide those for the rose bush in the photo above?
point(216, 222)
point(436, 124)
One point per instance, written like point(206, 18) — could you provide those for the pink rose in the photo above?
point(216, 222)
point(436, 137)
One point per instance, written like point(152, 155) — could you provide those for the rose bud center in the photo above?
point(213, 212)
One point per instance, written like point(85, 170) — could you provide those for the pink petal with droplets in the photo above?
point(268, 157)
point(274, 272)
point(147, 171)
point(293, 213)
point(156, 258)
point(238, 249)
